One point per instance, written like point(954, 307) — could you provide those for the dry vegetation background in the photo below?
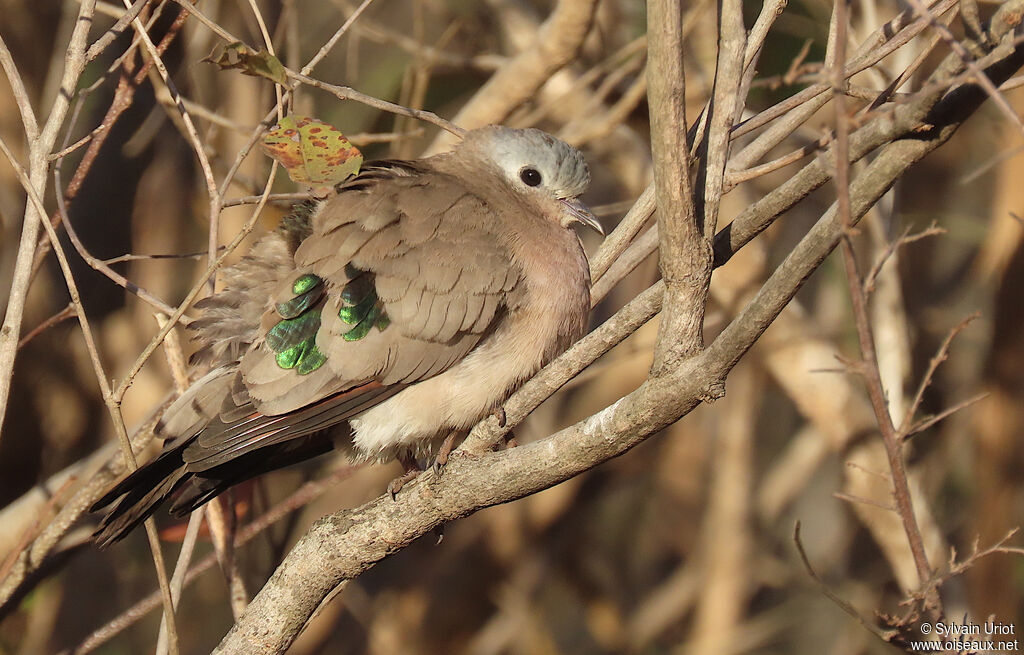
point(684, 544)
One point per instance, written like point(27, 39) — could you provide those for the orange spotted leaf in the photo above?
point(312, 151)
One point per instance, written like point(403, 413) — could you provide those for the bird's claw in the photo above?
point(410, 469)
point(443, 453)
point(396, 485)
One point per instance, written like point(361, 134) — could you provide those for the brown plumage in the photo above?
point(404, 308)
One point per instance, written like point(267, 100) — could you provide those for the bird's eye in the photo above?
point(530, 176)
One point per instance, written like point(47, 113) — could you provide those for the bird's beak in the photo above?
point(577, 212)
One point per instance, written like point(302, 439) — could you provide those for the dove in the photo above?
point(380, 322)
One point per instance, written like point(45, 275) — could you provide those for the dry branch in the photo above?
point(685, 253)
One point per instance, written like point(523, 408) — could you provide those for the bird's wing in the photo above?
point(401, 277)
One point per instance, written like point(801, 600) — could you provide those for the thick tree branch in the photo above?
point(685, 253)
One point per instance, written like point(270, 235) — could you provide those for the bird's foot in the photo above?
point(499, 413)
point(396, 485)
point(411, 469)
point(443, 453)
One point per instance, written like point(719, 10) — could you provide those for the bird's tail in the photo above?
point(146, 488)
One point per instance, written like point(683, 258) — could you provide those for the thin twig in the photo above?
point(994, 161)
point(890, 438)
point(976, 72)
point(722, 112)
point(904, 239)
point(639, 249)
point(331, 42)
point(59, 317)
point(929, 421)
point(220, 517)
point(833, 596)
point(115, 30)
point(141, 258)
point(627, 229)
point(890, 90)
point(869, 57)
point(430, 55)
point(623, 57)
point(348, 93)
point(933, 365)
point(737, 177)
point(188, 546)
point(274, 198)
point(755, 40)
point(21, 97)
point(860, 500)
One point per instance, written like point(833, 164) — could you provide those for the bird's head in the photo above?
point(534, 162)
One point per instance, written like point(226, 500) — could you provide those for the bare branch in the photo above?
point(834, 597)
point(933, 365)
point(928, 422)
point(348, 93)
point(627, 229)
point(685, 256)
point(904, 239)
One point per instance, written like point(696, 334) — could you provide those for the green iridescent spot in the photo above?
point(293, 338)
point(358, 332)
point(291, 331)
point(304, 357)
point(311, 360)
point(358, 289)
point(290, 357)
point(353, 314)
point(360, 306)
point(363, 327)
point(309, 289)
point(304, 283)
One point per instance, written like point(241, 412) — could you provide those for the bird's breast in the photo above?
point(547, 312)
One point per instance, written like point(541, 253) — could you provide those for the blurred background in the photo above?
point(683, 545)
